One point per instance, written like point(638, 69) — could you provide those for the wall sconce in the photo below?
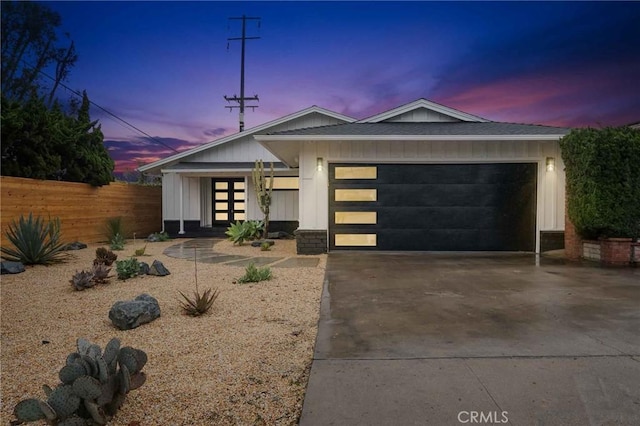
point(319, 163)
point(551, 164)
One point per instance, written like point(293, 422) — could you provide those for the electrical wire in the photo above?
point(75, 92)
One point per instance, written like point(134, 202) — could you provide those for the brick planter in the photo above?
point(311, 241)
point(610, 251)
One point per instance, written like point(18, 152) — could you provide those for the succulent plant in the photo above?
point(100, 273)
point(82, 280)
point(94, 386)
point(104, 256)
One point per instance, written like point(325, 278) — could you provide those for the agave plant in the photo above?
point(104, 256)
point(35, 241)
point(201, 302)
point(238, 232)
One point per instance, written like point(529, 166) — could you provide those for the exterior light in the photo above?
point(319, 163)
point(551, 164)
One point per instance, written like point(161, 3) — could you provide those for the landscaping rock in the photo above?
point(144, 268)
point(130, 314)
point(157, 268)
point(75, 246)
point(153, 238)
point(11, 267)
point(259, 243)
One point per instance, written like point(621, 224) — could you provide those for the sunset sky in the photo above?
point(165, 67)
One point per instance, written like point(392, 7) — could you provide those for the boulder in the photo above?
point(11, 267)
point(144, 268)
point(153, 238)
point(157, 268)
point(75, 246)
point(259, 243)
point(133, 313)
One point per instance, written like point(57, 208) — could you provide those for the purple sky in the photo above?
point(165, 67)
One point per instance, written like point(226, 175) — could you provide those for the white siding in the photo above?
point(314, 184)
point(284, 205)
point(171, 197)
point(421, 115)
point(206, 204)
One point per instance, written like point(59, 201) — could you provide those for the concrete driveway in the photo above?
point(451, 339)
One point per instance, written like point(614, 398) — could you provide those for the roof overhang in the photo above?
point(287, 147)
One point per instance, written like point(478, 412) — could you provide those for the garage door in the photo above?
point(432, 207)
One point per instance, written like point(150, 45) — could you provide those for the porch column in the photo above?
point(181, 207)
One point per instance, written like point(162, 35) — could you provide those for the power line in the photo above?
point(75, 92)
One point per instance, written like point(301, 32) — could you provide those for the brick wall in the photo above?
point(311, 241)
point(591, 250)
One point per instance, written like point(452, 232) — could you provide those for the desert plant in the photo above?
point(265, 246)
point(201, 302)
point(263, 187)
point(113, 227)
point(254, 275)
point(94, 385)
point(140, 252)
point(104, 256)
point(128, 268)
point(82, 280)
point(117, 242)
point(35, 241)
point(238, 232)
point(100, 273)
point(255, 229)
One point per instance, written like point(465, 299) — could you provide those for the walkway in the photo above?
point(204, 248)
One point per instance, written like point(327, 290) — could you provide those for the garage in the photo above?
point(432, 207)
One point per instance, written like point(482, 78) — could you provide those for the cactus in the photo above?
point(82, 280)
point(94, 385)
point(263, 188)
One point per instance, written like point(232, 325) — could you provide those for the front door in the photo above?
point(228, 201)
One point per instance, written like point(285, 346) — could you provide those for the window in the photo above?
point(369, 172)
point(363, 240)
point(356, 218)
point(285, 183)
point(356, 195)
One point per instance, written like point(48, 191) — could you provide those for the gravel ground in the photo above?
point(244, 363)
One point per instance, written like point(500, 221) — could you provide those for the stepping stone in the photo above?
point(221, 258)
point(258, 261)
point(298, 262)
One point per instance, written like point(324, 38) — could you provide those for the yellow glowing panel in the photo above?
point(356, 218)
point(360, 240)
point(238, 196)
point(222, 185)
point(238, 185)
point(356, 172)
point(238, 206)
point(221, 196)
point(222, 206)
point(285, 183)
point(222, 216)
point(239, 216)
point(356, 195)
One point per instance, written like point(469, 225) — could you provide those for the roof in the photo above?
point(176, 157)
point(192, 166)
point(489, 128)
point(422, 104)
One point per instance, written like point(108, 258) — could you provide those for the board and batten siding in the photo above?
point(284, 205)
point(171, 197)
point(314, 184)
point(421, 115)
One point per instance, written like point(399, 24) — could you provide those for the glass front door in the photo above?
point(228, 200)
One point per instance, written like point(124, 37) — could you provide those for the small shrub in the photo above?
point(113, 227)
point(265, 246)
point(140, 252)
point(35, 241)
point(128, 268)
point(238, 232)
point(162, 236)
point(104, 257)
point(254, 229)
point(200, 303)
point(117, 243)
point(254, 275)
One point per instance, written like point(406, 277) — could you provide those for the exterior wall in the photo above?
point(421, 115)
point(284, 205)
point(314, 184)
point(171, 197)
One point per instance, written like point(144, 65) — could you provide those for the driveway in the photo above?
point(450, 339)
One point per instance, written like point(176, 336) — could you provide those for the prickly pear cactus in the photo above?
point(94, 384)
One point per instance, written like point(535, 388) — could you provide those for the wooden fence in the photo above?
point(82, 209)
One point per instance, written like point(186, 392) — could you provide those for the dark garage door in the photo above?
point(432, 207)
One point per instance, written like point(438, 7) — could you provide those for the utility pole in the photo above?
point(241, 100)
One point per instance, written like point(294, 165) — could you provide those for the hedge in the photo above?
point(603, 181)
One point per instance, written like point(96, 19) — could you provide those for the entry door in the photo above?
point(228, 200)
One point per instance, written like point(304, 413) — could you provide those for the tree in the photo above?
point(29, 47)
point(42, 143)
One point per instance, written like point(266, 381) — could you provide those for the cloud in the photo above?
point(217, 132)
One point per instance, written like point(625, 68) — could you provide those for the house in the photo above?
point(421, 176)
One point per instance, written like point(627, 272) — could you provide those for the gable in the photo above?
point(422, 111)
point(421, 115)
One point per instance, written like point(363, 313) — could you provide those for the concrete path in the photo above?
point(204, 249)
point(452, 339)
